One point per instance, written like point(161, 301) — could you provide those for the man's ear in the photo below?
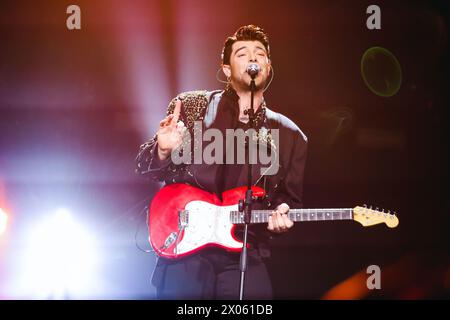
point(226, 70)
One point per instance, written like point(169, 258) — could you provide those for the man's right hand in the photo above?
point(170, 133)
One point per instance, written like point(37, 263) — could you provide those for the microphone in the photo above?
point(253, 70)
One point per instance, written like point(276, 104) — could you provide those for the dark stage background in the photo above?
point(76, 104)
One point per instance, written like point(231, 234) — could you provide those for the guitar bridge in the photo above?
point(183, 219)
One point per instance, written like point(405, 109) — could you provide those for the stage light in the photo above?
point(3, 221)
point(60, 260)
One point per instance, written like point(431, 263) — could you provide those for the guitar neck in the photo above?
point(297, 215)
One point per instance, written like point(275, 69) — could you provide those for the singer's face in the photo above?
point(242, 54)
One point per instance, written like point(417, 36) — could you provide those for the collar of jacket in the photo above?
point(232, 105)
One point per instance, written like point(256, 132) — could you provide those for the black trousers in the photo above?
point(212, 273)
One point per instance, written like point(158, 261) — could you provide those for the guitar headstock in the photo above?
point(369, 217)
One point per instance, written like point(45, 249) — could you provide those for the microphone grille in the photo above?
point(253, 69)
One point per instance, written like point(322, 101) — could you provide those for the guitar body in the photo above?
point(174, 235)
point(184, 219)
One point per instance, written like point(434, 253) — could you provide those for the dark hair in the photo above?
point(245, 33)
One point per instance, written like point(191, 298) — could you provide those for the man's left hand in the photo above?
point(279, 221)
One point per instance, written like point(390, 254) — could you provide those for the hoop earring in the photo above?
point(272, 74)
point(220, 80)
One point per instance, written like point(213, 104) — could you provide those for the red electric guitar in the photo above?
point(184, 219)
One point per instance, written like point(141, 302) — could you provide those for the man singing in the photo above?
point(213, 273)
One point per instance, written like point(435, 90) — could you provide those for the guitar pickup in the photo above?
point(183, 219)
point(169, 241)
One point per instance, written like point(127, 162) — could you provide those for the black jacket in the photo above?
point(219, 109)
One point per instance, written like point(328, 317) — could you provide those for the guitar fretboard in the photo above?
point(262, 216)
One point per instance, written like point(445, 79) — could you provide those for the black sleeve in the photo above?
point(148, 163)
point(290, 190)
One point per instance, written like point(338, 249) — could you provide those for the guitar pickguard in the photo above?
point(208, 224)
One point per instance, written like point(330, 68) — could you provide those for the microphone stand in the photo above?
point(246, 206)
